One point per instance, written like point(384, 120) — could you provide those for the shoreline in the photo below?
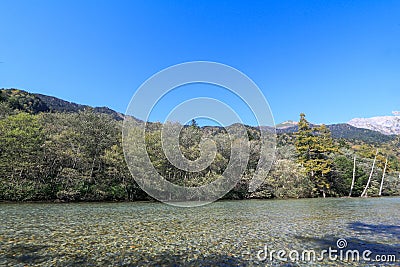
point(155, 201)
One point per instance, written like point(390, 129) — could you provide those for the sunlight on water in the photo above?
point(226, 233)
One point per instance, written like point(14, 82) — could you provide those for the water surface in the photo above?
point(225, 233)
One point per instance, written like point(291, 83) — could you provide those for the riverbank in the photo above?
point(56, 201)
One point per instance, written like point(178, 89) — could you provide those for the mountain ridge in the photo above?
point(388, 125)
point(347, 131)
point(36, 103)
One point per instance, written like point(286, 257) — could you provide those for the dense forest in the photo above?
point(54, 151)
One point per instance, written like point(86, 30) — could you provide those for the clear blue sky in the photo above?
point(333, 60)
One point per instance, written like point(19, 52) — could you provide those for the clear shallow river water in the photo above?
point(225, 233)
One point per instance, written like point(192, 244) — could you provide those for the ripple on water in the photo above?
point(228, 233)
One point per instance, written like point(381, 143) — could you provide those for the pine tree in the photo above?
point(193, 123)
point(313, 146)
point(304, 140)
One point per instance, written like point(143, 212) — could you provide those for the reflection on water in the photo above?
point(227, 233)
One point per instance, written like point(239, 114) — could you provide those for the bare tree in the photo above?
point(383, 177)
point(354, 176)
point(364, 193)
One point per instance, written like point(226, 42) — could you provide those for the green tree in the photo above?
point(193, 123)
point(288, 179)
point(343, 175)
point(74, 153)
point(313, 147)
point(5, 110)
point(120, 180)
point(21, 140)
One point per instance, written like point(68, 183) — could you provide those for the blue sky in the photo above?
point(333, 60)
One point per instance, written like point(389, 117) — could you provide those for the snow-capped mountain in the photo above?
point(384, 124)
point(286, 124)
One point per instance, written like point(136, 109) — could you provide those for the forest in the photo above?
point(65, 155)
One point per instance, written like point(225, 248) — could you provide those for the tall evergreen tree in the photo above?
point(313, 147)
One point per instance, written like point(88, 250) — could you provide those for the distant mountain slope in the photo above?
point(347, 131)
point(24, 101)
point(59, 105)
point(384, 124)
point(35, 103)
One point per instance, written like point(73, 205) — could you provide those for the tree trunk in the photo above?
point(364, 193)
point(354, 176)
point(92, 168)
point(383, 177)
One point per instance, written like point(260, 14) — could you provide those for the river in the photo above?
point(224, 233)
